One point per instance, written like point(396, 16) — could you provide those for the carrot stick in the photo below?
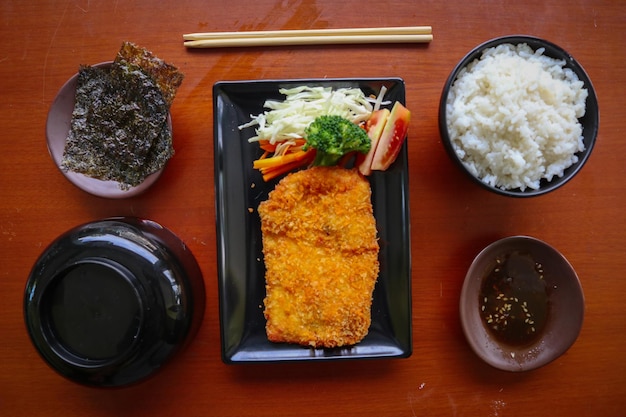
point(267, 146)
point(273, 172)
point(280, 160)
point(271, 147)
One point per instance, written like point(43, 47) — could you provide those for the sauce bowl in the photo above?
point(565, 304)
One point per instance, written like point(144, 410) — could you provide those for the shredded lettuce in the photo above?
point(288, 119)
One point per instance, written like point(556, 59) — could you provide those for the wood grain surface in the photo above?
point(42, 43)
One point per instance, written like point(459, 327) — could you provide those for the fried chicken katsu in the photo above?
point(321, 257)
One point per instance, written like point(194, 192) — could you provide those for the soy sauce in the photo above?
point(514, 299)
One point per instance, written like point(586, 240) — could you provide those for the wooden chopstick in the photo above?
point(307, 40)
point(407, 34)
point(403, 30)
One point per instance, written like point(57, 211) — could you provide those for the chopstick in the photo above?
point(407, 34)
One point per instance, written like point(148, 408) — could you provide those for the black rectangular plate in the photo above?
point(241, 271)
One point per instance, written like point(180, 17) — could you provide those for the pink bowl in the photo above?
point(566, 307)
point(57, 129)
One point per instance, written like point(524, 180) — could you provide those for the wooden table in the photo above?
point(44, 42)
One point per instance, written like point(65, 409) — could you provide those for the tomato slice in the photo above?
point(392, 138)
point(374, 127)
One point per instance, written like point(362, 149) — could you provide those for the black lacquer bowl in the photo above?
point(111, 301)
point(590, 121)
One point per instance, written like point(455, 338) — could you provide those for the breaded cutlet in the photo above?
point(321, 256)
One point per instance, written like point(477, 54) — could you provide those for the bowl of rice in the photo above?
point(519, 115)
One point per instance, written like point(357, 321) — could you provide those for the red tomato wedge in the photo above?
point(374, 128)
point(392, 138)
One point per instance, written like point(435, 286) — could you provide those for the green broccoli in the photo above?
point(333, 137)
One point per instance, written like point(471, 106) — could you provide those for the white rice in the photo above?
point(512, 116)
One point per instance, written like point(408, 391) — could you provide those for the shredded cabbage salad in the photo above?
point(285, 120)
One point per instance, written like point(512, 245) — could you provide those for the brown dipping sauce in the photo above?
point(514, 299)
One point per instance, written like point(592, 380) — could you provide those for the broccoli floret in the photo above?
point(333, 137)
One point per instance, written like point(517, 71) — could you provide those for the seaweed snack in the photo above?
point(119, 129)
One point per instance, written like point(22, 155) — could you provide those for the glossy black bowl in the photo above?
point(590, 121)
point(108, 303)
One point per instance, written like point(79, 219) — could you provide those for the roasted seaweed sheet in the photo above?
point(119, 130)
point(166, 76)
